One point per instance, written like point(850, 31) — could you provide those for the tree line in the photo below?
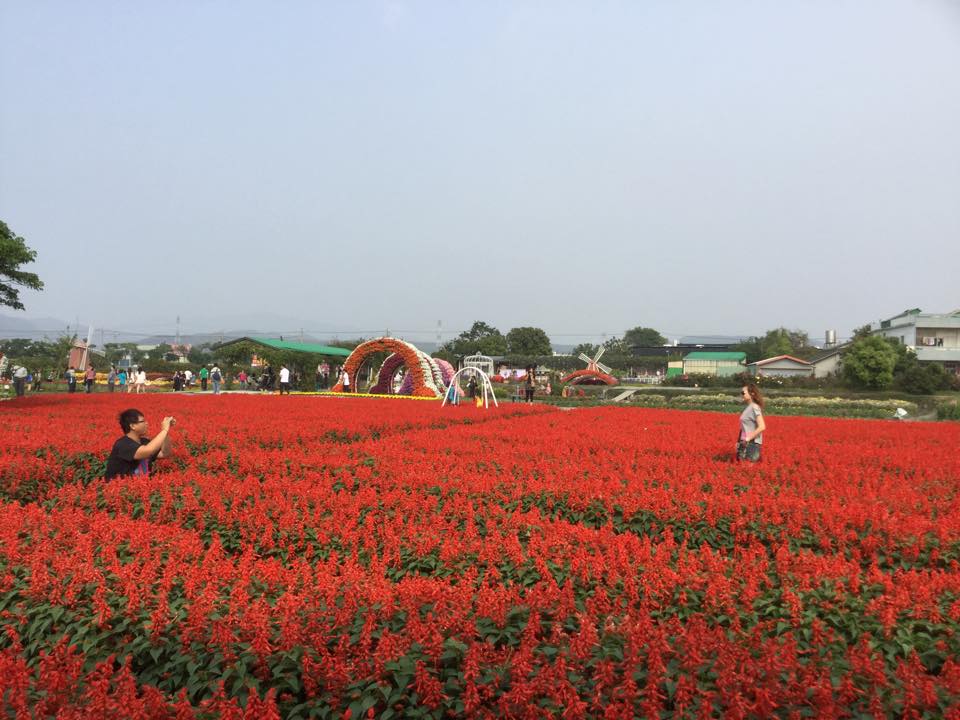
point(871, 362)
point(484, 339)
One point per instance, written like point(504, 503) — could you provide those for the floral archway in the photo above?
point(424, 373)
point(388, 371)
point(446, 374)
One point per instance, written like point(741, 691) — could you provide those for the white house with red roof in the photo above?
point(781, 366)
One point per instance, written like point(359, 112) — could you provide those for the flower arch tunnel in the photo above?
point(389, 369)
point(423, 371)
point(446, 375)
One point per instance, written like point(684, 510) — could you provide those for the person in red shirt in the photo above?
point(89, 378)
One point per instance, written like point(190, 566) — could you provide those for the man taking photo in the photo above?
point(133, 453)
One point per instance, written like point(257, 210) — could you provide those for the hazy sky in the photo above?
point(698, 167)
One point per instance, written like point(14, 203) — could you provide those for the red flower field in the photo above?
point(318, 557)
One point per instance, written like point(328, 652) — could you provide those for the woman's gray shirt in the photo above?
point(748, 422)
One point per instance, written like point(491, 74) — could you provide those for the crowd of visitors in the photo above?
point(133, 379)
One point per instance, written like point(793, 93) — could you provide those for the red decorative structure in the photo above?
point(596, 372)
point(423, 370)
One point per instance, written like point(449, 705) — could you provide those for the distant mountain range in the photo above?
point(12, 326)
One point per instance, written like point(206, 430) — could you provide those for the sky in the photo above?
point(355, 167)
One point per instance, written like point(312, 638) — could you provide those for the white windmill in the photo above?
point(594, 364)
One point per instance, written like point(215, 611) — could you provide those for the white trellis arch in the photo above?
point(480, 362)
point(485, 383)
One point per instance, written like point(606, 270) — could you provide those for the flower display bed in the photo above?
point(329, 557)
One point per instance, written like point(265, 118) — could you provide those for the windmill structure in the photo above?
point(596, 373)
point(593, 363)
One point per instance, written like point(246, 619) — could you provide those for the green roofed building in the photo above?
point(704, 362)
point(312, 348)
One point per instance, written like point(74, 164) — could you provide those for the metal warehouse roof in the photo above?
point(704, 355)
point(314, 348)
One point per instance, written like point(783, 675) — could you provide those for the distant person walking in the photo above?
point(242, 379)
point(345, 379)
point(530, 383)
point(111, 378)
point(752, 424)
point(20, 380)
point(89, 378)
point(216, 377)
point(141, 380)
point(204, 374)
point(122, 379)
point(284, 380)
point(71, 380)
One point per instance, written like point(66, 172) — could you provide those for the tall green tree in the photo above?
point(588, 349)
point(528, 341)
point(14, 253)
point(861, 332)
point(616, 346)
point(776, 342)
point(779, 341)
point(479, 339)
point(869, 363)
point(643, 337)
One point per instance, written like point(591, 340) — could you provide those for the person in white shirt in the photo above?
point(345, 379)
point(20, 379)
point(284, 380)
point(141, 380)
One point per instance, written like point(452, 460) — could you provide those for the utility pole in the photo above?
point(301, 336)
point(178, 330)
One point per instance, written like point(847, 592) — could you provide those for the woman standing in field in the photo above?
point(751, 424)
point(141, 381)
